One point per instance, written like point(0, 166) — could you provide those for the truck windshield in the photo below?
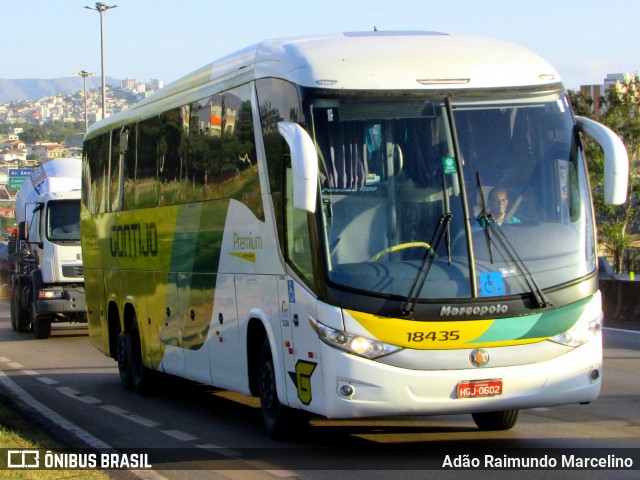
point(505, 172)
point(63, 220)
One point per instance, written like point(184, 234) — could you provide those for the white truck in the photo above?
point(47, 275)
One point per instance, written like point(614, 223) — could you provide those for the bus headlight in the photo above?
point(580, 334)
point(356, 344)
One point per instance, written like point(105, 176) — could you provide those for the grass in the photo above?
point(17, 432)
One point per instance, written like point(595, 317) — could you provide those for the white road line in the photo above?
point(65, 424)
point(47, 380)
point(59, 420)
point(31, 373)
point(256, 464)
point(130, 416)
point(623, 330)
point(220, 450)
point(75, 394)
point(178, 435)
point(15, 365)
point(71, 392)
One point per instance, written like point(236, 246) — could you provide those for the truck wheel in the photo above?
point(494, 421)
point(281, 422)
point(41, 327)
point(122, 357)
point(141, 376)
point(23, 317)
point(14, 326)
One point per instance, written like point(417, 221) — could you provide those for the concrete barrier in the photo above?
point(621, 303)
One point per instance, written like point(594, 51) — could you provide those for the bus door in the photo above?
point(170, 329)
point(224, 352)
point(196, 302)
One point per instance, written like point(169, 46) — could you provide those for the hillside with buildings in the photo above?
point(34, 88)
point(69, 106)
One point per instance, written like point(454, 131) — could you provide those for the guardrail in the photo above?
point(620, 302)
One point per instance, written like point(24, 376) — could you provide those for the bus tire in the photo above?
point(494, 421)
point(122, 357)
point(141, 376)
point(280, 422)
point(41, 327)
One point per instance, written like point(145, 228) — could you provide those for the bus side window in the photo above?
point(147, 168)
point(129, 174)
point(169, 157)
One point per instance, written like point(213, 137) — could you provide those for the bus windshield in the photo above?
point(481, 196)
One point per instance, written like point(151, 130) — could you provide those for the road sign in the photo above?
point(17, 176)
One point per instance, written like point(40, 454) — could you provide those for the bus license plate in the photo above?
point(479, 388)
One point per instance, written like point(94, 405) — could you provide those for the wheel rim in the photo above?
point(267, 386)
point(121, 354)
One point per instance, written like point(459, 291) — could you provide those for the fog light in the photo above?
point(346, 390)
point(594, 374)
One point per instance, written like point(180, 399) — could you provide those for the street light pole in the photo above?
point(84, 74)
point(102, 7)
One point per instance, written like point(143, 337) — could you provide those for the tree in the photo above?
point(621, 113)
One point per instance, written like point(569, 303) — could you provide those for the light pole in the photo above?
point(84, 74)
point(102, 7)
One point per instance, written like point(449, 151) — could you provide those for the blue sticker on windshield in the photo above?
point(491, 284)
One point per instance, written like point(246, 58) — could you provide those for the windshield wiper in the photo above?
point(485, 218)
point(425, 265)
point(447, 210)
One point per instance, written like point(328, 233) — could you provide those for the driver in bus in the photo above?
point(498, 207)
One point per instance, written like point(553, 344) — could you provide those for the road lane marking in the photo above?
point(130, 416)
point(70, 392)
point(59, 420)
point(255, 464)
point(178, 435)
point(47, 380)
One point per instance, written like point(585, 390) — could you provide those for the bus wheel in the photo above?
point(280, 421)
point(141, 376)
point(41, 327)
point(126, 378)
point(492, 421)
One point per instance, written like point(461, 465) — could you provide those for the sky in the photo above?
point(167, 39)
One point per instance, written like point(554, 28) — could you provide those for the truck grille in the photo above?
point(73, 271)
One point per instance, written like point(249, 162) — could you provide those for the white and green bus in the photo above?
point(309, 221)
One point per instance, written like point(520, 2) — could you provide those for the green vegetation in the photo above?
point(620, 111)
point(56, 131)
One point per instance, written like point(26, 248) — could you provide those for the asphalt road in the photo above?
point(194, 431)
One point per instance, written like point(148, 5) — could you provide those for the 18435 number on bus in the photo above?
point(440, 336)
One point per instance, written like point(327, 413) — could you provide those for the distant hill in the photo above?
point(34, 88)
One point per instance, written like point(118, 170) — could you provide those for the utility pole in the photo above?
point(102, 7)
point(84, 74)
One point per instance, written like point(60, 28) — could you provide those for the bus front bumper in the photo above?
point(376, 389)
